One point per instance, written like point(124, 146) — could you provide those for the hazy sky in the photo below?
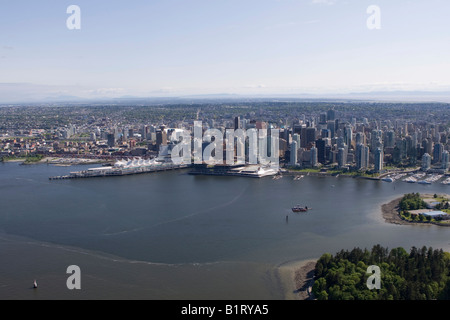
point(171, 47)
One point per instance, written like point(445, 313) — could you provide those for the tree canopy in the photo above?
point(422, 274)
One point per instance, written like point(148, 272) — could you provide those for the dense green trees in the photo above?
point(412, 201)
point(422, 274)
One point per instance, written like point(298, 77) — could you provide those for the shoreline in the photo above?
point(391, 215)
point(60, 161)
point(297, 279)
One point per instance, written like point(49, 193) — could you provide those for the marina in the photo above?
point(419, 178)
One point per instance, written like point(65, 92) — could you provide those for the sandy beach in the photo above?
point(297, 279)
point(390, 213)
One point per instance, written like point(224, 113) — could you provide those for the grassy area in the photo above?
point(438, 198)
point(360, 174)
point(11, 158)
point(27, 159)
point(304, 169)
point(34, 158)
point(335, 172)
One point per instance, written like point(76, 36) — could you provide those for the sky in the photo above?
point(189, 47)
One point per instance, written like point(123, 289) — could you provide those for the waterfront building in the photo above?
point(313, 157)
point(437, 152)
point(293, 159)
point(379, 155)
point(426, 162)
point(445, 160)
point(362, 157)
point(320, 145)
point(342, 157)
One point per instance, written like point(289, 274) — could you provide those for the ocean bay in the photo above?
point(188, 236)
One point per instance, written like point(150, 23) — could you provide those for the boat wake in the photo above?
point(222, 205)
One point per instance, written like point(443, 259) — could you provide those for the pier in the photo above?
point(118, 171)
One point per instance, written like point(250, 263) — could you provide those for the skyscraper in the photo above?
point(342, 157)
point(360, 138)
point(332, 127)
point(331, 115)
point(390, 139)
point(237, 123)
point(296, 137)
point(320, 145)
point(375, 140)
point(445, 160)
point(426, 162)
point(161, 136)
point(323, 118)
point(348, 136)
point(310, 135)
point(313, 157)
point(379, 155)
point(111, 140)
point(293, 160)
point(437, 152)
point(362, 157)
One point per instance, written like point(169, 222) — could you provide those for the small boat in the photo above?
point(34, 284)
point(299, 209)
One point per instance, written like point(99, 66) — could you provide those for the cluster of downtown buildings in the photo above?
point(368, 146)
point(331, 139)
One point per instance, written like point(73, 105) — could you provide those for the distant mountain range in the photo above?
point(32, 94)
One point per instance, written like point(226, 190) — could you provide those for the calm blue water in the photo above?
point(174, 219)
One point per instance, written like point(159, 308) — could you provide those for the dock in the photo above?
point(117, 172)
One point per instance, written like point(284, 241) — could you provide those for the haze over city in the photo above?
point(268, 47)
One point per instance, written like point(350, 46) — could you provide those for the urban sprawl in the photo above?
point(364, 138)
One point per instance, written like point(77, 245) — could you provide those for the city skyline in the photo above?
point(255, 48)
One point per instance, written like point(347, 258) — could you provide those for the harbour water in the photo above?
point(171, 235)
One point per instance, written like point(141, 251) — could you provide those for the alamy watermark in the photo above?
point(234, 146)
point(374, 20)
point(73, 22)
point(74, 280)
point(374, 281)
